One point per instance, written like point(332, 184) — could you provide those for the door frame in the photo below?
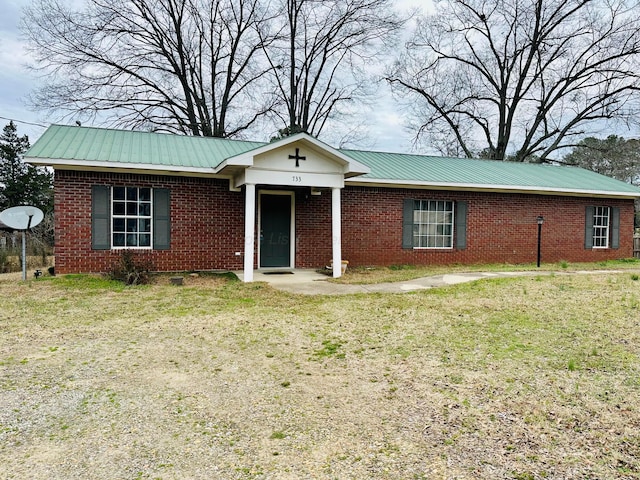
point(292, 242)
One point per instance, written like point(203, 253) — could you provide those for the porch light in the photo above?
point(540, 221)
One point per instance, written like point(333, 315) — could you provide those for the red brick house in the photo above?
point(190, 203)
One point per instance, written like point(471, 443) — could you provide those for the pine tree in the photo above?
point(22, 184)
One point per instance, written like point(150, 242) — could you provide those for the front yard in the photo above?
point(520, 378)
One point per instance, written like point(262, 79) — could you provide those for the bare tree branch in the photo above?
point(320, 56)
point(188, 66)
point(518, 80)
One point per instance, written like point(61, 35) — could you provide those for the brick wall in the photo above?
point(501, 228)
point(207, 223)
point(207, 226)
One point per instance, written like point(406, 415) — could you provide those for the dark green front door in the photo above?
point(275, 231)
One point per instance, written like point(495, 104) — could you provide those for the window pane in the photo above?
point(132, 240)
point(145, 210)
point(132, 193)
point(118, 193)
point(118, 240)
point(118, 224)
point(132, 208)
point(144, 225)
point(145, 240)
point(118, 208)
point(132, 225)
point(144, 195)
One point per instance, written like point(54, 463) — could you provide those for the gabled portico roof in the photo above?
point(351, 167)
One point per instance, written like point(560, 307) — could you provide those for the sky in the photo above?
point(386, 131)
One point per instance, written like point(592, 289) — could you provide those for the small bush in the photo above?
point(131, 270)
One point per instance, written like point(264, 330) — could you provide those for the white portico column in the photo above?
point(249, 230)
point(336, 232)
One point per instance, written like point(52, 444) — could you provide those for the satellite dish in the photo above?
point(22, 217)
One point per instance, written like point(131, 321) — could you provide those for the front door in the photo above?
point(275, 230)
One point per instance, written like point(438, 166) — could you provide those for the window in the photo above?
point(432, 224)
point(601, 227)
point(131, 217)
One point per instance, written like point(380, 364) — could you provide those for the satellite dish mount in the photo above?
point(22, 218)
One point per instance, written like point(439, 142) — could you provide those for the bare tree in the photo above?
point(321, 56)
point(187, 66)
point(520, 79)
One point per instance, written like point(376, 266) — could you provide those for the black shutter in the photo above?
point(161, 219)
point(407, 223)
point(615, 227)
point(588, 227)
point(100, 217)
point(461, 225)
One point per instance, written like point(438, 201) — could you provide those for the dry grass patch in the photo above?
point(402, 273)
point(511, 378)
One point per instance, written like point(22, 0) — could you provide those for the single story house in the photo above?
point(194, 204)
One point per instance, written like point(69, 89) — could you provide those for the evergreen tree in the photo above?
point(613, 156)
point(22, 184)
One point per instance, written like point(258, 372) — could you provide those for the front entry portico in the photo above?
point(273, 172)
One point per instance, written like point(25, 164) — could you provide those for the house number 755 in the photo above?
point(296, 179)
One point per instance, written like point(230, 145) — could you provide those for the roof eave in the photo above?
point(144, 168)
point(374, 182)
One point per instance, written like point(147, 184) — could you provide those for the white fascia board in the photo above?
point(66, 164)
point(413, 184)
point(242, 160)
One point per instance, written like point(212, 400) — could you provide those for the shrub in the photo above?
point(131, 270)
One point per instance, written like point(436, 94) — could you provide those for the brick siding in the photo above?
point(501, 228)
point(207, 226)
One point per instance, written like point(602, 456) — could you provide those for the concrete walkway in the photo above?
point(310, 282)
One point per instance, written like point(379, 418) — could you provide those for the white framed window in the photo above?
point(601, 222)
point(131, 217)
point(432, 224)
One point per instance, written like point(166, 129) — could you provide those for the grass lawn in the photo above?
point(519, 378)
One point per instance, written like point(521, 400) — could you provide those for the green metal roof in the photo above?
point(60, 142)
point(390, 167)
point(85, 147)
